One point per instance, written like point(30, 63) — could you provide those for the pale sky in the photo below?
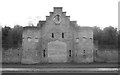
point(100, 13)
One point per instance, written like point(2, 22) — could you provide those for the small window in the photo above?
point(62, 35)
point(96, 52)
point(23, 38)
point(84, 51)
point(29, 39)
point(70, 53)
point(90, 38)
point(84, 38)
point(84, 54)
point(36, 39)
point(44, 53)
point(77, 39)
point(52, 35)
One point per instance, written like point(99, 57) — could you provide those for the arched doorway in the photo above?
point(57, 52)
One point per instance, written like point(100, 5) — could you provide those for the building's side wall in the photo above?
point(31, 46)
point(84, 45)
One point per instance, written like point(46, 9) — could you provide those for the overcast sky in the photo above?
point(100, 13)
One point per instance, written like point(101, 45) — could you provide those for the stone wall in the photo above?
point(31, 45)
point(12, 55)
point(61, 32)
point(106, 56)
point(84, 45)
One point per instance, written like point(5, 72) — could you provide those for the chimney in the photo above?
point(57, 9)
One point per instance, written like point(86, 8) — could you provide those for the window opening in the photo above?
point(77, 39)
point(90, 38)
point(36, 39)
point(84, 53)
point(23, 39)
point(29, 39)
point(44, 53)
point(84, 38)
point(70, 53)
point(62, 35)
point(52, 35)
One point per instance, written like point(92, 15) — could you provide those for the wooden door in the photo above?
point(57, 52)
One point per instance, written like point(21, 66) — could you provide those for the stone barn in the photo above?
point(57, 40)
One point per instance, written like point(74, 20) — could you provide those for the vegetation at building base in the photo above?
point(106, 39)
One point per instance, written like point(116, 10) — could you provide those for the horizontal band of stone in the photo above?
point(80, 70)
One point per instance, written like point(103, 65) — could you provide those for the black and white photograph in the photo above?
point(64, 37)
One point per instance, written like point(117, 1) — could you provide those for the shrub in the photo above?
point(110, 56)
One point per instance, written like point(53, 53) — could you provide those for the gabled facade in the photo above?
point(57, 40)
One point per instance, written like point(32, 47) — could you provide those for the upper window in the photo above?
point(70, 53)
point(84, 38)
point(29, 39)
point(23, 38)
point(44, 53)
point(52, 35)
point(84, 53)
point(77, 39)
point(90, 38)
point(36, 39)
point(62, 35)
